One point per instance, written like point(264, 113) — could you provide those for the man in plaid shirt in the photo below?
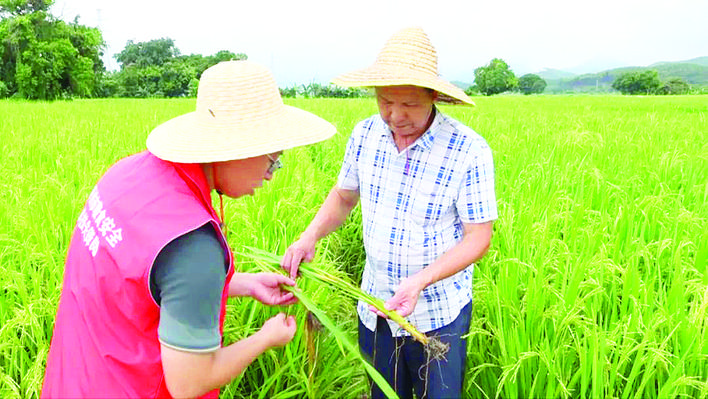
point(426, 186)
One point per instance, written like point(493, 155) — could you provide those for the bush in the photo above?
point(4, 91)
point(495, 78)
point(531, 83)
point(646, 82)
point(472, 90)
point(316, 90)
point(674, 86)
point(192, 87)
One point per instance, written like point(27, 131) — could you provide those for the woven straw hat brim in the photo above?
point(407, 58)
point(239, 115)
point(183, 140)
point(377, 75)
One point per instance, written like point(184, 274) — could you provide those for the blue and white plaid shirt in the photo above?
point(413, 206)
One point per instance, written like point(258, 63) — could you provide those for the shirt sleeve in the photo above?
point(187, 281)
point(477, 201)
point(349, 174)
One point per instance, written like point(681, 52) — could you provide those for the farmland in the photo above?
point(596, 284)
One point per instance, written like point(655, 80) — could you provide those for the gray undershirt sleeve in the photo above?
point(187, 280)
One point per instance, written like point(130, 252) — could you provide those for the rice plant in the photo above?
point(341, 285)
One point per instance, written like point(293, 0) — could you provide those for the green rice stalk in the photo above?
point(343, 341)
point(343, 286)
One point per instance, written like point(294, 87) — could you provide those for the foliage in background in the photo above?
point(674, 86)
point(317, 90)
point(646, 82)
point(44, 58)
point(531, 84)
point(156, 69)
point(495, 78)
point(694, 74)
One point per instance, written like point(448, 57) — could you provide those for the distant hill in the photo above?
point(694, 72)
point(699, 61)
point(461, 85)
point(548, 74)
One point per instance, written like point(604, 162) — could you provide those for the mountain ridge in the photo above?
point(693, 72)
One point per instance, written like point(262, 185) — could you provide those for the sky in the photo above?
point(305, 41)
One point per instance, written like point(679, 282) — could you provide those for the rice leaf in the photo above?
point(343, 341)
point(342, 286)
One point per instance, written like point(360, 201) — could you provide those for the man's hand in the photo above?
point(279, 329)
point(405, 298)
point(332, 214)
point(264, 287)
point(473, 246)
point(302, 250)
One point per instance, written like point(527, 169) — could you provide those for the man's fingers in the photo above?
point(290, 320)
point(284, 279)
point(287, 299)
point(378, 312)
point(295, 266)
point(309, 256)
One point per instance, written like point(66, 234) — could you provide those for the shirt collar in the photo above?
point(193, 175)
point(426, 140)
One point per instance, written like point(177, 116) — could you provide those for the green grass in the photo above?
point(596, 284)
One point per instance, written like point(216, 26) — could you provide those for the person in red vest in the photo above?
point(148, 270)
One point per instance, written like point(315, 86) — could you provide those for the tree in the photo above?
point(156, 69)
point(152, 53)
point(175, 79)
point(495, 78)
point(24, 7)
point(201, 63)
point(473, 90)
point(643, 82)
point(46, 58)
point(674, 86)
point(531, 83)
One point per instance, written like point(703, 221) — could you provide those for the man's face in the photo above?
point(406, 109)
point(243, 176)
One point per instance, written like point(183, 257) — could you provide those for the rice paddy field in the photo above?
point(596, 284)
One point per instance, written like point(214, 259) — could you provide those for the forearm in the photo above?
point(332, 214)
point(229, 362)
point(201, 373)
point(240, 284)
point(473, 247)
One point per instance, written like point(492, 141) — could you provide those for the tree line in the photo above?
point(45, 58)
point(157, 69)
point(497, 77)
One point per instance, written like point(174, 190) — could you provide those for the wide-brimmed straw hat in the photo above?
point(239, 115)
point(407, 58)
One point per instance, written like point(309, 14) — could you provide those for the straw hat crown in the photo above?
point(250, 98)
point(407, 58)
point(239, 114)
point(410, 48)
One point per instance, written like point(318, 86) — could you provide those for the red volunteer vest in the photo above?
point(105, 342)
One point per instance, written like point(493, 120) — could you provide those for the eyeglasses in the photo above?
point(275, 164)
